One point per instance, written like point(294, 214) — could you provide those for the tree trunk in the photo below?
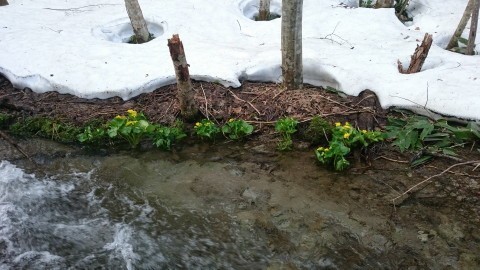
point(185, 92)
point(461, 26)
point(418, 58)
point(264, 10)
point(473, 29)
point(384, 4)
point(139, 24)
point(292, 64)
point(3, 2)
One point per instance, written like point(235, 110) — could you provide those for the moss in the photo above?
point(5, 120)
point(317, 131)
point(46, 128)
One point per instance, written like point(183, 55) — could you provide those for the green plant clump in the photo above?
point(286, 127)
point(46, 128)
point(206, 129)
point(5, 119)
point(418, 132)
point(318, 130)
point(132, 127)
point(344, 138)
point(163, 137)
point(366, 3)
point(237, 129)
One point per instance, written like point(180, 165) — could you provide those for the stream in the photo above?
point(222, 206)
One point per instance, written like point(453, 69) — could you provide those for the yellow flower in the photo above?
point(231, 120)
point(346, 135)
point(364, 131)
point(131, 123)
point(347, 124)
point(120, 117)
point(319, 149)
point(337, 124)
point(327, 149)
point(132, 113)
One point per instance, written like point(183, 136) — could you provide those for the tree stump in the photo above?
point(185, 92)
point(418, 58)
point(3, 2)
point(370, 111)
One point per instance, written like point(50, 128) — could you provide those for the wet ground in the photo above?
point(228, 206)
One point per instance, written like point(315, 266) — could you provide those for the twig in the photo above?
point(206, 102)
point(251, 105)
point(391, 159)
point(6, 138)
point(279, 93)
point(416, 188)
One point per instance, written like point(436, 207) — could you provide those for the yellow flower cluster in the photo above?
point(132, 113)
point(120, 117)
point(131, 123)
point(198, 124)
point(321, 149)
point(231, 120)
point(347, 129)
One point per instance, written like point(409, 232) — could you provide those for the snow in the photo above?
point(77, 47)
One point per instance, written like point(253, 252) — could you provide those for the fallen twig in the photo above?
point(206, 102)
point(251, 105)
point(417, 187)
point(391, 159)
point(6, 138)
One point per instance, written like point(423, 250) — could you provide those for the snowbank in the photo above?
point(77, 47)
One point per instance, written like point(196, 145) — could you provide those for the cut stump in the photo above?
point(418, 58)
point(185, 92)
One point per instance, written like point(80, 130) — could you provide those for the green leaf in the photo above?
point(112, 132)
point(420, 161)
point(449, 152)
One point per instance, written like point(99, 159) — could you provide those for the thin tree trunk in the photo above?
point(418, 58)
point(264, 10)
point(3, 2)
point(473, 29)
point(461, 26)
point(292, 66)
point(185, 92)
point(139, 24)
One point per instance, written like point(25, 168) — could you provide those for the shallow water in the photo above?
point(216, 207)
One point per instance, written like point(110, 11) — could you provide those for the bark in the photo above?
point(461, 26)
point(139, 24)
point(473, 29)
point(3, 2)
point(264, 10)
point(384, 4)
point(292, 64)
point(418, 58)
point(185, 92)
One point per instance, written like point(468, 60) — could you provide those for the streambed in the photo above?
point(221, 207)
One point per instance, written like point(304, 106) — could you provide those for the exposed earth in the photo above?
point(443, 215)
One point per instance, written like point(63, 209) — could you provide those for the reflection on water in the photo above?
point(218, 208)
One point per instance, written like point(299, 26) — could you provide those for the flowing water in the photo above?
point(216, 207)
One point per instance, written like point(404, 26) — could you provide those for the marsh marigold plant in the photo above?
point(344, 138)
